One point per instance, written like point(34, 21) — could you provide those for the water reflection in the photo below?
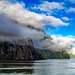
point(16, 67)
point(41, 67)
point(24, 71)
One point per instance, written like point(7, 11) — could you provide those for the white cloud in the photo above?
point(49, 6)
point(55, 21)
point(11, 29)
point(70, 36)
point(71, 10)
point(25, 17)
point(60, 43)
point(65, 18)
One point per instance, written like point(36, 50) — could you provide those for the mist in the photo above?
point(14, 22)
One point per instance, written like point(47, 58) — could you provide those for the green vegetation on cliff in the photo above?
point(46, 37)
point(24, 50)
point(72, 56)
point(48, 54)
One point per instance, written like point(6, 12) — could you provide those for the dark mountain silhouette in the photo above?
point(21, 49)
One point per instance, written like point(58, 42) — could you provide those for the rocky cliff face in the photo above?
point(21, 49)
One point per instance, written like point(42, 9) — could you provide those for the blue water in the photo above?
point(40, 67)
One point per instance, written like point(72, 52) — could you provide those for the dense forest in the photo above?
point(49, 54)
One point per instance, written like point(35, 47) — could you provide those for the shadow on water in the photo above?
point(39, 67)
point(24, 71)
point(16, 67)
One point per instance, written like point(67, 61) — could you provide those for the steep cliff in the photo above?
point(21, 49)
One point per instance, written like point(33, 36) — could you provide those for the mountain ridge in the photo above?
point(23, 50)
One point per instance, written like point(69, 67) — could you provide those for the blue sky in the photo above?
point(60, 9)
point(67, 10)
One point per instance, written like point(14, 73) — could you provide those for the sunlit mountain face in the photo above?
point(49, 23)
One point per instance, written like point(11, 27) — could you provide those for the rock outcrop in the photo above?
point(21, 49)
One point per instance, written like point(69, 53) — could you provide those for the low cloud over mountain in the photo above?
point(17, 21)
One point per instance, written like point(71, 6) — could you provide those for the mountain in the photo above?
point(40, 30)
point(23, 49)
point(20, 49)
point(72, 55)
point(49, 54)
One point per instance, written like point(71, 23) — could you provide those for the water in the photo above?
point(41, 67)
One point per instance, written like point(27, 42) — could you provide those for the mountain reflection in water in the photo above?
point(40, 67)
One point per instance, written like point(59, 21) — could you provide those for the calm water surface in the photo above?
point(41, 67)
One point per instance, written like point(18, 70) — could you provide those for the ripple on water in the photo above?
point(41, 67)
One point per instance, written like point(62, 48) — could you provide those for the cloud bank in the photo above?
point(60, 43)
point(23, 16)
point(15, 19)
